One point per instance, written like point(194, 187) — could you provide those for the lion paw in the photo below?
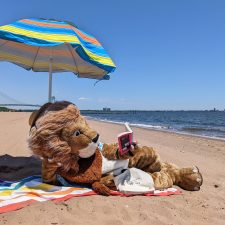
point(101, 189)
point(190, 179)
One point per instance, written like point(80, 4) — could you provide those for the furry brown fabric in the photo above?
point(45, 136)
point(60, 136)
point(58, 133)
point(89, 170)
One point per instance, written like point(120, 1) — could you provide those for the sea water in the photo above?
point(202, 123)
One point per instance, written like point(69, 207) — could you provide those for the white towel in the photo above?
point(114, 167)
point(134, 181)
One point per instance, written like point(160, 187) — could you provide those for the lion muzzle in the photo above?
point(90, 149)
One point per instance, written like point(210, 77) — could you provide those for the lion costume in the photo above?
point(68, 147)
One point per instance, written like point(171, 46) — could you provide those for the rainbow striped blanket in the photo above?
point(16, 195)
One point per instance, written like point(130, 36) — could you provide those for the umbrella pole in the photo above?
point(50, 82)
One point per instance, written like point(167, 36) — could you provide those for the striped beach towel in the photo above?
point(16, 195)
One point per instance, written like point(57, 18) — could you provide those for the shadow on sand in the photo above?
point(15, 168)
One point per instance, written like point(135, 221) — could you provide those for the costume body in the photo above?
point(61, 137)
point(100, 169)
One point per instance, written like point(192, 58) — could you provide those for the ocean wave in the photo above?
point(149, 126)
point(104, 120)
point(203, 129)
point(141, 125)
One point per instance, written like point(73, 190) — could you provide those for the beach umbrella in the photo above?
point(54, 46)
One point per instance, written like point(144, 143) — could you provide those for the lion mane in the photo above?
point(45, 138)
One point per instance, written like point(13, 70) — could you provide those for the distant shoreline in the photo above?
point(100, 111)
point(134, 111)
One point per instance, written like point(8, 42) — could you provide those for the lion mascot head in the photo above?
point(60, 135)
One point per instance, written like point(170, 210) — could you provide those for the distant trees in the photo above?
point(5, 109)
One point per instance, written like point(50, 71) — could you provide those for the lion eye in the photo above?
point(77, 133)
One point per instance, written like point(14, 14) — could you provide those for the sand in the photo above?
point(206, 206)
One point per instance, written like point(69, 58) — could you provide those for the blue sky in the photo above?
point(169, 54)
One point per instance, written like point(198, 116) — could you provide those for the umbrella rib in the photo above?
point(35, 58)
point(69, 48)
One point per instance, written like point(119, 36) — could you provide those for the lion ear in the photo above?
point(32, 117)
point(36, 114)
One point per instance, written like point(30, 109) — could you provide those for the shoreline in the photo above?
point(157, 129)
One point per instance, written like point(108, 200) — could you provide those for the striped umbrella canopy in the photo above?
point(54, 46)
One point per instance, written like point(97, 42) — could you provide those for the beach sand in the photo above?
point(206, 206)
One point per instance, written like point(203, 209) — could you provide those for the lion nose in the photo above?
point(95, 139)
